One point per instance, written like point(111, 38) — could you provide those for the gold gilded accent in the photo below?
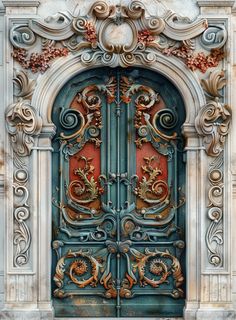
point(109, 285)
point(157, 263)
point(84, 190)
point(150, 189)
point(77, 268)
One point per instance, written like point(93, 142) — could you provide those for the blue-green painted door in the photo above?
point(118, 196)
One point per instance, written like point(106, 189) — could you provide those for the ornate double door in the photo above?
point(118, 196)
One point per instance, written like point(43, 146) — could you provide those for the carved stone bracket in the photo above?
point(213, 120)
point(22, 121)
point(23, 124)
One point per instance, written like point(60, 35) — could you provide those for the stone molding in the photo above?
point(216, 3)
point(17, 3)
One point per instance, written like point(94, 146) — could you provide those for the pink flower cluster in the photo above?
point(90, 34)
point(200, 60)
point(38, 62)
point(144, 36)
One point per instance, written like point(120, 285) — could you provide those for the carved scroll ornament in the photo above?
point(148, 268)
point(215, 231)
point(213, 120)
point(113, 35)
point(23, 124)
point(213, 123)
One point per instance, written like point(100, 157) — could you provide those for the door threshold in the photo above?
point(122, 318)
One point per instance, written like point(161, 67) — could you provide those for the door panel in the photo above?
point(118, 196)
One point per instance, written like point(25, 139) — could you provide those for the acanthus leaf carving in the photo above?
point(25, 86)
point(212, 122)
point(23, 124)
point(213, 119)
point(214, 84)
point(181, 29)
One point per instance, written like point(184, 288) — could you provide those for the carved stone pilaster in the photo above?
point(23, 125)
point(212, 123)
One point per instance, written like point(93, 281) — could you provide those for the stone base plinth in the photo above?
point(26, 315)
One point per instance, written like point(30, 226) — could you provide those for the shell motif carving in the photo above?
point(23, 124)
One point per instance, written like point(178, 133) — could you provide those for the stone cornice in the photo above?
point(216, 3)
point(17, 3)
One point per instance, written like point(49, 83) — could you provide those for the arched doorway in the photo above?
point(118, 195)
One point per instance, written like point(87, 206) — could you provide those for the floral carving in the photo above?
point(23, 124)
point(22, 236)
point(194, 61)
point(97, 34)
point(213, 123)
point(38, 61)
point(90, 34)
point(145, 37)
